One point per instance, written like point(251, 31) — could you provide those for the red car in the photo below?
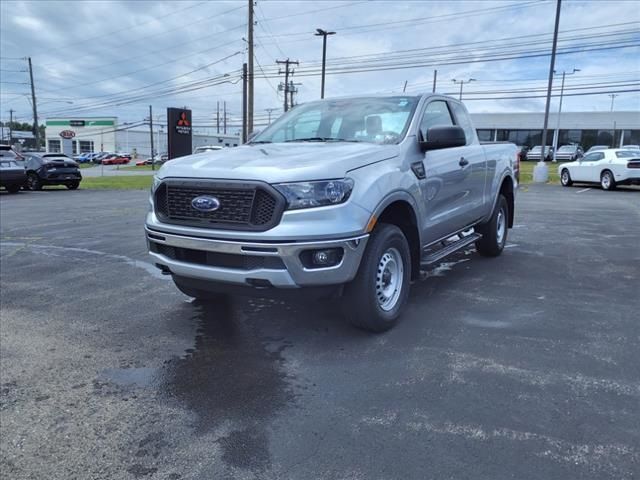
point(115, 160)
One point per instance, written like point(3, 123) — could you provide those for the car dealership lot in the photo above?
point(523, 366)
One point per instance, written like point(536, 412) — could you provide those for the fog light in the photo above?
point(322, 258)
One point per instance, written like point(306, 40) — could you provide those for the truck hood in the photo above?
point(279, 162)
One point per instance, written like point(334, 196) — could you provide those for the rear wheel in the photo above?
point(73, 185)
point(494, 232)
point(565, 178)
point(33, 182)
point(607, 181)
point(375, 298)
point(13, 188)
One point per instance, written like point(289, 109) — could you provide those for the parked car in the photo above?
point(7, 152)
point(146, 161)
point(569, 153)
point(12, 175)
point(51, 169)
point(631, 147)
point(83, 158)
point(207, 148)
point(536, 152)
point(356, 201)
point(100, 156)
point(522, 152)
point(609, 168)
point(595, 148)
point(115, 159)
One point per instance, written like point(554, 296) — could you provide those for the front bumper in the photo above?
point(293, 275)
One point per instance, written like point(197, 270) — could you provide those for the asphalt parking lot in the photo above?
point(520, 367)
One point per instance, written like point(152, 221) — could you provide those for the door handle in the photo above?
point(463, 162)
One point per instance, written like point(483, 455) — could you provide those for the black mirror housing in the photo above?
point(443, 137)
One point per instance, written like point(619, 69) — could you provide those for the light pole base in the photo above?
point(540, 173)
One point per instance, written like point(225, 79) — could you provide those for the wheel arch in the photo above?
point(399, 210)
point(507, 189)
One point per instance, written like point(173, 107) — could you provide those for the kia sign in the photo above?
point(179, 132)
point(67, 134)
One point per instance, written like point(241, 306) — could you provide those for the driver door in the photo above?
point(586, 170)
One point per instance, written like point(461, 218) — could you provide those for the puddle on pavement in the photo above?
point(130, 377)
point(231, 376)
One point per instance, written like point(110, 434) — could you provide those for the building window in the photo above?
point(75, 147)
point(631, 137)
point(54, 146)
point(86, 146)
point(485, 135)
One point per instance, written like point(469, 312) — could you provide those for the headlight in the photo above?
point(315, 194)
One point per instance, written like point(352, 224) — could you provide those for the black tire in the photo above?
point(494, 232)
point(364, 302)
point(13, 188)
point(33, 182)
point(565, 178)
point(73, 185)
point(200, 295)
point(607, 181)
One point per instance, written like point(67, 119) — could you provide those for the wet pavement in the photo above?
point(524, 366)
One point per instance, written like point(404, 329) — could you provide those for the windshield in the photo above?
point(373, 120)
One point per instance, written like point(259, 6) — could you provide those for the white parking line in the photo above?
point(584, 190)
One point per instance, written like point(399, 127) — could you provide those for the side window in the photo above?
point(463, 120)
point(436, 114)
point(593, 157)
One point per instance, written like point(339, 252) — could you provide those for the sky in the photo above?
point(113, 58)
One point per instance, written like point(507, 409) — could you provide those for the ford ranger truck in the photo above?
point(355, 195)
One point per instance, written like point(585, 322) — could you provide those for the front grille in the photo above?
point(216, 259)
point(243, 206)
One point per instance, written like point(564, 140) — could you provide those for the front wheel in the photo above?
point(33, 182)
point(606, 180)
point(565, 178)
point(494, 232)
point(375, 298)
point(73, 185)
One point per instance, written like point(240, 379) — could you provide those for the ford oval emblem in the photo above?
point(205, 203)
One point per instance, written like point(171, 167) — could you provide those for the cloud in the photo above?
point(118, 50)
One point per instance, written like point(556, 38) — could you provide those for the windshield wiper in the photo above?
point(320, 139)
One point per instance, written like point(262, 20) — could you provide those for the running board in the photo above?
point(453, 247)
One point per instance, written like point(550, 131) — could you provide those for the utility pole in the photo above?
point(404, 89)
point(556, 137)
point(269, 110)
point(10, 126)
point(323, 33)
point(36, 128)
point(250, 87)
point(244, 103)
point(435, 78)
point(218, 116)
point(462, 82)
point(613, 96)
point(286, 64)
point(541, 171)
point(224, 113)
point(153, 165)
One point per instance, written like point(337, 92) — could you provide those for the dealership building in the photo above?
point(105, 134)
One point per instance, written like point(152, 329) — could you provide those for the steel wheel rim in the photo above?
point(606, 181)
point(389, 279)
point(565, 177)
point(501, 226)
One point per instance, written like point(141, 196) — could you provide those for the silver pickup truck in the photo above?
point(350, 196)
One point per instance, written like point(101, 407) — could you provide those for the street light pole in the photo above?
point(556, 138)
point(462, 82)
point(269, 110)
point(323, 34)
point(613, 96)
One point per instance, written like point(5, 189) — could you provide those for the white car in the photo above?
point(609, 168)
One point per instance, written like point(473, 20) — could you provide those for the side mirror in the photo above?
point(443, 137)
